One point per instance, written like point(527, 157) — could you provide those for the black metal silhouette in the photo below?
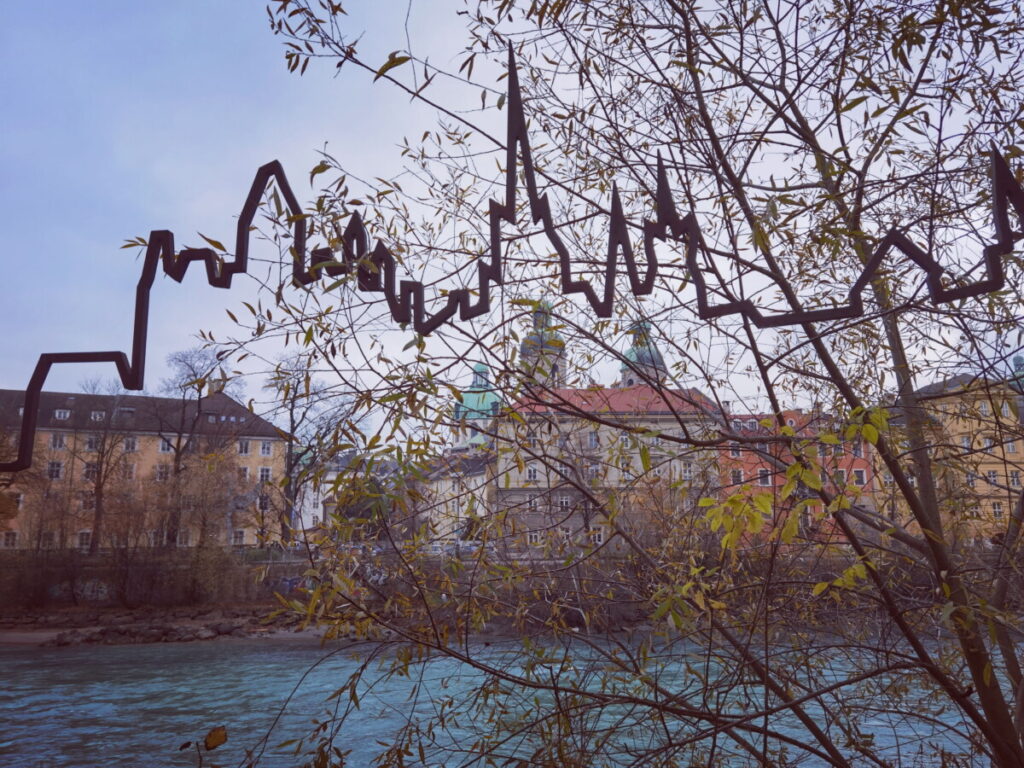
point(376, 269)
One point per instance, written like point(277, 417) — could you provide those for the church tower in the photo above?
point(542, 352)
point(642, 363)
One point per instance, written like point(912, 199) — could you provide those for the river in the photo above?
point(133, 706)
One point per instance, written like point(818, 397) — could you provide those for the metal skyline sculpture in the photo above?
point(377, 269)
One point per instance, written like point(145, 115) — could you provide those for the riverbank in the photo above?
point(118, 626)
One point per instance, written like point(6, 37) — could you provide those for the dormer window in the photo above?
point(62, 414)
point(98, 415)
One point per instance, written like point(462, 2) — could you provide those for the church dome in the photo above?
point(642, 363)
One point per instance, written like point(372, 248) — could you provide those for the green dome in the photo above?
point(642, 362)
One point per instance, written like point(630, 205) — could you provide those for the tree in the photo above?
point(310, 413)
point(824, 150)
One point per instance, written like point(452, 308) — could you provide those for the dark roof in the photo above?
point(953, 384)
point(460, 464)
point(213, 415)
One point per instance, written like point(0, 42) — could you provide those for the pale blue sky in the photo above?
point(124, 117)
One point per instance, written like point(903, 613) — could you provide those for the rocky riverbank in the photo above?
point(75, 626)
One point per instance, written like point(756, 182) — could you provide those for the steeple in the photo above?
point(543, 350)
point(642, 363)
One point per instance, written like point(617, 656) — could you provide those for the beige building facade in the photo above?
point(116, 470)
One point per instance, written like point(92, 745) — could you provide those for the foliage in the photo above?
point(752, 628)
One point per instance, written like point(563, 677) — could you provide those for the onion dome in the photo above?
point(542, 351)
point(642, 363)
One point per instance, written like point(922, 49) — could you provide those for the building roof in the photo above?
point(213, 415)
point(633, 401)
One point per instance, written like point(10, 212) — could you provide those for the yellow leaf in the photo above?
point(820, 587)
point(215, 737)
point(870, 433)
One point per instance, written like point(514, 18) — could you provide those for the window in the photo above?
point(316, 520)
point(838, 449)
point(62, 414)
point(761, 447)
point(790, 423)
point(764, 477)
point(84, 539)
point(266, 448)
point(859, 477)
point(970, 479)
point(131, 444)
point(531, 473)
point(531, 503)
point(212, 418)
point(126, 412)
point(1005, 409)
point(54, 470)
point(858, 448)
point(734, 450)
point(1015, 478)
point(88, 501)
point(596, 536)
point(997, 509)
point(990, 442)
point(163, 472)
point(243, 447)
point(10, 539)
point(238, 538)
point(983, 408)
point(625, 438)
point(98, 415)
point(533, 538)
point(594, 440)
point(687, 471)
point(1011, 447)
point(57, 441)
point(91, 471)
point(840, 476)
point(243, 474)
point(184, 537)
point(965, 443)
point(737, 425)
point(531, 439)
point(18, 498)
point(752, 424)
point(92, 443)
point(264, 503)
point(265, 476)
point(593, 471)
point(737, 477)
point(128, 470)
point(563, 503)
point(887, 477)
point(166, 446)
point(992, 476)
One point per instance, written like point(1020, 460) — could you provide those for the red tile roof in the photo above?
point(630, 400)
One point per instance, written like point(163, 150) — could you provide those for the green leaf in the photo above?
point(394, 60)
point(645, 457)
point(851, 104)
point(870, 433)
point(820, 587)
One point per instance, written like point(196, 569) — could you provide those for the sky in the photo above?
point(121, 118)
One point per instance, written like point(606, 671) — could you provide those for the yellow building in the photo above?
point(112, 471)
point(973, 428)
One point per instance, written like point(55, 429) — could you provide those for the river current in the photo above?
point(133, 706)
